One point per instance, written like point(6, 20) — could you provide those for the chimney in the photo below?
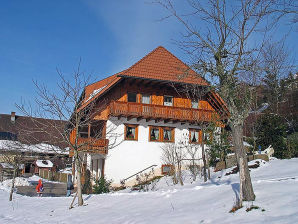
point(13, 117)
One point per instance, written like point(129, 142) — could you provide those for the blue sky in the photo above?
point(38, 36)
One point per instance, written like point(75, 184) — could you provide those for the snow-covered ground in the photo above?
point(275, 185)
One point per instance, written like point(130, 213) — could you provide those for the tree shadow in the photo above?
point(88, 197)
point(236, 189)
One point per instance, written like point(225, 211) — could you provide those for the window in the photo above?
point(8, 136)
point(132, 97)
point(168, 101)
point(154, 134)
point(161, 134)
point(131, 132)
point(146, 99)
point(83, 131)
point(194, 104)
point(166, 169)
point(168, 134)
point(195, 136)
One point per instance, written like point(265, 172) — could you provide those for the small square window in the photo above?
point(194, 104)
point(168, 101)
point(154, 134)
point(131, 132)
point(166, 169)
point(132, 97)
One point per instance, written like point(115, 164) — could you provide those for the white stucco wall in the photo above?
point(129, 156)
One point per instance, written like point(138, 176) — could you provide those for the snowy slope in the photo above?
point(193, 203)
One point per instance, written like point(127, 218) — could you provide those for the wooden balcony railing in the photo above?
point(161, 112)
point(93, 145)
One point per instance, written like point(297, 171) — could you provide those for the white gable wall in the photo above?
point(130, 157)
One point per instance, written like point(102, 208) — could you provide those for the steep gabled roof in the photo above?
point(161, 64)
point(98, 88)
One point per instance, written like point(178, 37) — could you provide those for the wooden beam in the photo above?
point(141, 82)
point(129, 118)
point(132, 82)
point(139, 118)
point(175, 121)
point(167, 121)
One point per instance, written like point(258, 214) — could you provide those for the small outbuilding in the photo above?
point(43, 165)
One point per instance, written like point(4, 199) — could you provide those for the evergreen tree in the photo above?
point(271, 130)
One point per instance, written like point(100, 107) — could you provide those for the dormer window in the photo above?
point(168, 101)
point(132, 97)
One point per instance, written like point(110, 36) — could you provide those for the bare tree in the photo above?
point(173, 155)
point(70, 104)
point(13, 158)
point(219, 36)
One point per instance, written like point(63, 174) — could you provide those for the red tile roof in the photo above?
point(161, 64)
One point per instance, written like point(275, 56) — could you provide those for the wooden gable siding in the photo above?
point(204, 104)
point(156, 92)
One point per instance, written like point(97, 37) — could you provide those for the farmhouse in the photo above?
point(145, 107)
point(33, 139)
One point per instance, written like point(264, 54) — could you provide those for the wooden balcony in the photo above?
point(92, 145)
point(150, 111)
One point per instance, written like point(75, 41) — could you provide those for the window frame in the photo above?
point(161, 133)
point(136, 97)
point(168, 97)
point(150, 129)
point(141, 98)
point(136, 131)
point(199, 131)
point(195, 101)
point(167, 165)
point(172, 134)
point(80, 132)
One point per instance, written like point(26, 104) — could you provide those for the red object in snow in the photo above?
point(39, 187)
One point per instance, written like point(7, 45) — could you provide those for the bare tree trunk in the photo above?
point(208, 167)
point(180, 173)
point(204, 161)
point(12, 184)
point(245, 181)
point(79, 184)
point(242, 179)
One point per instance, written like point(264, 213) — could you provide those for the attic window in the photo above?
point(45, 162)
